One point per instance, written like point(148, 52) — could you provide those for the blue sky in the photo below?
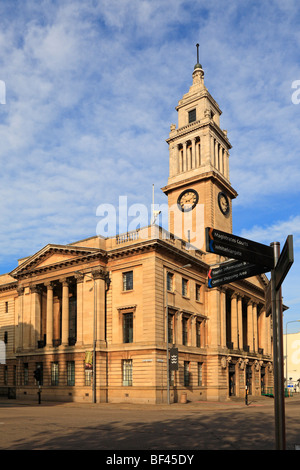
point(91, 90)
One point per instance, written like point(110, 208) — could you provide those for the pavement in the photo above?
point(232, 403)
point(192, 426)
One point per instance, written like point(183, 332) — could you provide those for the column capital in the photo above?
point(98, 274)
point(64, 281)
point(49, 285)
point(35, 289)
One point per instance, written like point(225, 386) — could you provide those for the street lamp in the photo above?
point(286, 355)
point(167, 334)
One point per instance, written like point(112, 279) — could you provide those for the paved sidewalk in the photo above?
point(230, 425)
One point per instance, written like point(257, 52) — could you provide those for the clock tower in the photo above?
point(198, 189)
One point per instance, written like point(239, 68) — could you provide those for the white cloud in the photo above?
point(91, 93)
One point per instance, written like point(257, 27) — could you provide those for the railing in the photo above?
point(127, 237)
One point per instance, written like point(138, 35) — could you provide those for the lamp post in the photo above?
point(286, 354)
point(167, 333)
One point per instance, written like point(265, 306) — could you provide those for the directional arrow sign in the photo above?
point(284, 262)
point(233, 271)
point(233, 246)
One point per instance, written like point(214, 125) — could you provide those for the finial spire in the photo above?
point(198, 65)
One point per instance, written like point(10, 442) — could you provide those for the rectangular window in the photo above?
point(25, 373)
point(170, 278)
point(185, 284)
point(128, 281)
point(71, 373)
point(192, 115)
point(6, 307)
point(198, 292)
point(127, 327)
point(88, 377)
point(54, 373)
point(198, 334)
point(39, 365)
point(186, 373)
point(184, 330)
point(127, 372)
point(170, 328)
point(200, 373)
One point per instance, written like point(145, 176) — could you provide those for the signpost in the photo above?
point(233, 246)
point(284, 262)
point(255, 258)
point(233, 271)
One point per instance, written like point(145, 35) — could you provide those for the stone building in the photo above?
point(94, 316)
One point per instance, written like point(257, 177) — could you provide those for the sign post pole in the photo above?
point(279, 407)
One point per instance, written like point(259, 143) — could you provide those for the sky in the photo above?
point(88, 93)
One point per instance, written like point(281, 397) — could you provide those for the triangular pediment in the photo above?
point(52, 255)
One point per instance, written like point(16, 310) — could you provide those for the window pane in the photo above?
point(184, 287)
point(128, 327)
point(186, 373)
point(54, 373)
point(192, 115)
point(199, 373)
point(184, 331)
point(128, 280)
point(170, 328)
point(127, 372)
point(170, 282)
point(198, 292)
point(71, 373)
point(198, 334)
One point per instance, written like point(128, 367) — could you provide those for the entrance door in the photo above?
point(231, 371)
point(249, 379)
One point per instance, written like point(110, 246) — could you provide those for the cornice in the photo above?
point(33, 269)
point(8, 286)
point(194, 179)
point(189, 128)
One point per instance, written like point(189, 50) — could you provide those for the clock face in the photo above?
point(223, 203)
point(187, 200)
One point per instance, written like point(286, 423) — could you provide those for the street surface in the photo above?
point(191, 426)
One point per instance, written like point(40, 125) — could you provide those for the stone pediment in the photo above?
point(52, 256)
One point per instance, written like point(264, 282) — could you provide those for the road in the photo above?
point(191, 426)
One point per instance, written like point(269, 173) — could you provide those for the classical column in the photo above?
point(19, 322)
point(226, 171)
point(184, 145)
point(180, 159)
point(65, 312)
point(250, 324)
point(36, 315)
point(223, 318)
point(234, 337)
point(79, 327)
point(198, 154)
point(221, 159)
point(49, 334)
point(255, 332)
point(194, 153)
point(240, 323)
point(99, 277)
point(216, 155)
